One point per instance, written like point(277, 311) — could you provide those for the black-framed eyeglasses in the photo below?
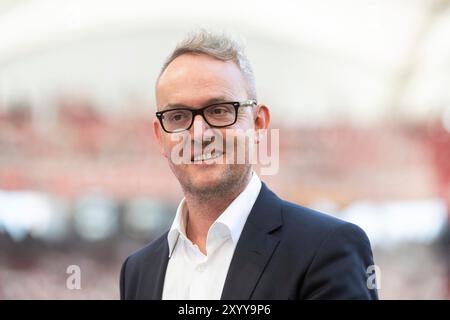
point(216, 115)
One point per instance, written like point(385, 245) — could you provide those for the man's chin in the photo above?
point(207, 176)
point(203, 179)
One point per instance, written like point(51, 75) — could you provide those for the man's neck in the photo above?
point(203, 212)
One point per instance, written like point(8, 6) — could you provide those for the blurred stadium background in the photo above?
point(360, 90)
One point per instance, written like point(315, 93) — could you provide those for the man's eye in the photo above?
point(177, 117)
point(219, 111)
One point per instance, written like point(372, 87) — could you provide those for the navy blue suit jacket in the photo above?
point(285, 251)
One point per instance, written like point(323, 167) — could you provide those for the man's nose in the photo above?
point(199, 127)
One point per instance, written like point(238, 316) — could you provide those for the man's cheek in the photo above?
point(239, 142)
point(167, 147)
point(177, 149)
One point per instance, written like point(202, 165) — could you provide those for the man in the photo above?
point(233, 238)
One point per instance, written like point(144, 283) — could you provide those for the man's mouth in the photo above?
point(207, 156)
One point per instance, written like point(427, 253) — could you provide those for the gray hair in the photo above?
point(219, 46)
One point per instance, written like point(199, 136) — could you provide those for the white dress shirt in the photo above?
point(192, 275)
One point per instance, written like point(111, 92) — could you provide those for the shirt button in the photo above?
point(200, 268)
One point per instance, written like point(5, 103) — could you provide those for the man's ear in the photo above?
point(262, 119)
point(157, 130)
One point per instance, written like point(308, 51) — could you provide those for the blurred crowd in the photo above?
point(87, 188)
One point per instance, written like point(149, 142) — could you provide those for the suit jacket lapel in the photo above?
point(254, 248)
point(151, 279)
point(161, 270)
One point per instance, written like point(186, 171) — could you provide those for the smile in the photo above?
point(208, 156)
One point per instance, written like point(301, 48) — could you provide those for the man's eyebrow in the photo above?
point(175, 106)
point(217, 100)
point(183, 106)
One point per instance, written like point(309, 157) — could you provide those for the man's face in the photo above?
point(195, 81)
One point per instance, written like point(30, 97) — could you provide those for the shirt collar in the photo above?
point(178, 226)
point(233, 217)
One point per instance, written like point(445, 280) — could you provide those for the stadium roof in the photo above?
point(319, 60)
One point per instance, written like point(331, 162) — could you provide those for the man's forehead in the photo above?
point(193, 61)
point(198, 80)
point(199, 70)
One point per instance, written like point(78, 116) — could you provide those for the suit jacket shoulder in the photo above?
point(304, 225)
point(327, 258)
point(138, 278)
